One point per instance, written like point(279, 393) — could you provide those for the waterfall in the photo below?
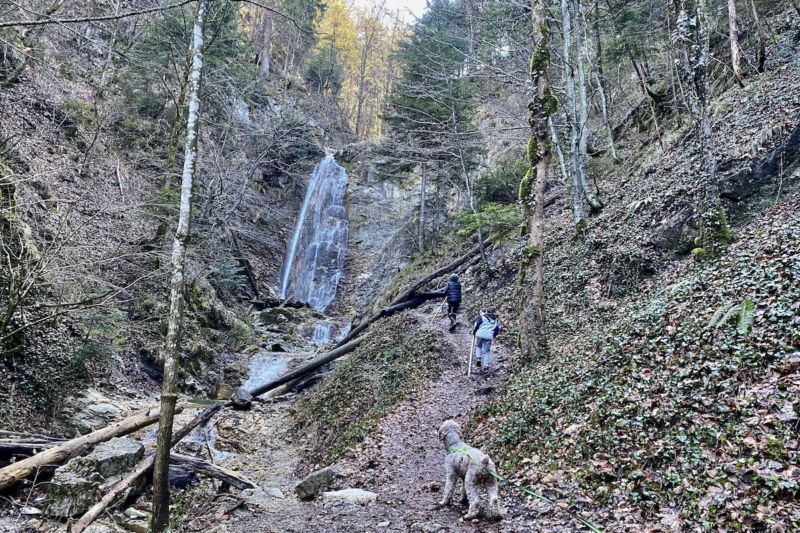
point(316, 254)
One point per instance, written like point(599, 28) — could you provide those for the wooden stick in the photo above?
point(65, 451)
point(469, 357)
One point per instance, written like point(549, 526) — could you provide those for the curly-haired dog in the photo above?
point(473, 467)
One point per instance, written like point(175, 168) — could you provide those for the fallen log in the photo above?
point(199, 466)
point(386, 311)
point(65, 451)
point(119, 488)
point(308, 367)
point(23, 448)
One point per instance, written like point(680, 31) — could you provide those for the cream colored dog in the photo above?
point(471, 466)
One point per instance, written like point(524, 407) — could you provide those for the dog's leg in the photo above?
point(449, 484)
point(473, 495)
point(494, 499)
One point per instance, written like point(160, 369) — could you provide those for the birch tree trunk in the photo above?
point(736, 51)
point(569, 82)
point(160, 518)
point(533, 343)
point(583, 109)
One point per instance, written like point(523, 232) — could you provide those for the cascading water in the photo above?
point(316, 255)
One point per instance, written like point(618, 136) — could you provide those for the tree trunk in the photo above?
point(422, 199)
point(160, 518)
point(583, 109)
point(693, 40)
point(199, 466)
point(762, 39)
point(65, 451)
point(572, 119)
point(532, 335)
point(266, 42)
point(555, 142)
point(736, 51)
point(601, 82)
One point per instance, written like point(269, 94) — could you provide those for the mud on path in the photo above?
point(402, 461)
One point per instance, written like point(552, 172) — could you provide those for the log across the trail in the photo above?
point(392, 307)
point(66, 450)
point(121, 486)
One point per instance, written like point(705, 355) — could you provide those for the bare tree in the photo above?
point(531, 192)
point(736, 51)
point(160, 518)
point(572, 118)
point(583, 109)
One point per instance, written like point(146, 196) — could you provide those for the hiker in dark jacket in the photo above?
point(486, 328)
point(453, 296)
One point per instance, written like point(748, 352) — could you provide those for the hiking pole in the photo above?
point(469, 357)
point(436, 313)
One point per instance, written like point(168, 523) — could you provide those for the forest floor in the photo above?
point(402, 461)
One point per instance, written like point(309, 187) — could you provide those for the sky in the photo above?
point(409, 9)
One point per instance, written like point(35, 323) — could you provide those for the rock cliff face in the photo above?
point(380, 240)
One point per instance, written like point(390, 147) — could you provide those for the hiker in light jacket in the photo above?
point(486, 328)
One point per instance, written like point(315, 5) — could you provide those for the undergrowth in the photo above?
point(688, 402)
point(390, 365)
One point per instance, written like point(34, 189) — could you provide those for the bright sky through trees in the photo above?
point(409, 9)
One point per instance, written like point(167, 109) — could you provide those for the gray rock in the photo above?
point(136, 514)
point(426, 527)
point(91, 410)
point(314, 483)
point(81, 482)
point(349, 496)
point(677, 231)
point(276, 493)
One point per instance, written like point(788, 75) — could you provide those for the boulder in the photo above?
point(314, 483)
point(349, 496)
point(677, 231)
point(81, 482)
point(91, 410)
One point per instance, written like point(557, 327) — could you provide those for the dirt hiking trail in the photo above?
point(402, 461)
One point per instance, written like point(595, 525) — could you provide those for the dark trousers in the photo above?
point(452, 308)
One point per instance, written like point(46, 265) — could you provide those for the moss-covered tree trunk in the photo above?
point(692, 36)
point(533, 343)
point(169, 389)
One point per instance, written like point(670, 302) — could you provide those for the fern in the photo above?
point(744, 312)
point(716, 318)
point(746, 316)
